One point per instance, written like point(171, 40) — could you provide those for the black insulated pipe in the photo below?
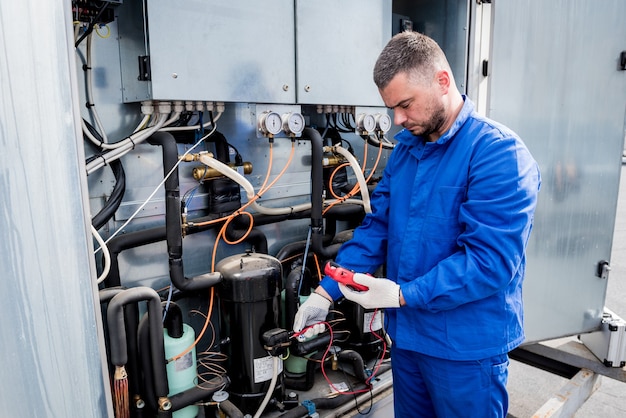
point(173, 220)
point(198, 393)
point(127, 241)
point(115, 319)
point(317, 190)
point(357, 363)
point(306, 383)
point(229, 408)
point(173, 320)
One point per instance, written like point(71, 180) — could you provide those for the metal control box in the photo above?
point(279, 51)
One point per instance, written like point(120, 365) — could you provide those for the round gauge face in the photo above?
point(369, 122)
point(294, 123)
point(271, 123)
point(384, 122)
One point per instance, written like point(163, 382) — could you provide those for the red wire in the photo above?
point(330, 344)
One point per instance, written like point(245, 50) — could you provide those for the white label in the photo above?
point(368, 325)
point(264, 368)
point(184, 362)
point(339, 387)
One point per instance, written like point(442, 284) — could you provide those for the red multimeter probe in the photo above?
point(343, 276)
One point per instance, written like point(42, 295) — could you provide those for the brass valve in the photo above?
point(205, 173)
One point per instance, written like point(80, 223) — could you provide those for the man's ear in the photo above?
point(443, 79)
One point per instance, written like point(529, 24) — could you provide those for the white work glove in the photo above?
point(382, 293)
point(313, 311)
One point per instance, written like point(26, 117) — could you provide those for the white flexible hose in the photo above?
point(248, 188)
point(270, 391)
point(359, 176)
point(227, 171)
point(105, 252)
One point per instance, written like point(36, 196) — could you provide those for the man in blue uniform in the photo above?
point(451, 218)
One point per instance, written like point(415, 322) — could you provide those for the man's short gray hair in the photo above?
point(411, 52)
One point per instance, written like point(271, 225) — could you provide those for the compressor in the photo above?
point(249, 305)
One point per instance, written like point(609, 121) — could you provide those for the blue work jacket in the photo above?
point(451, 219)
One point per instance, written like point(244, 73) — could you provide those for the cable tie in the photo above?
point(88, 105)
point(104, 160)
point(86, 67)
point(130, 138)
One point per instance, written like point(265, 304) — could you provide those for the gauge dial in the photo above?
point(293, 123)
point(366, 123)
point(270, 123)
point(383, 122)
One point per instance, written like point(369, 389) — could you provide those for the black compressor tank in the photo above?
point(249, 305)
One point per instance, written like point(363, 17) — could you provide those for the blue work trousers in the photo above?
point(425, 386)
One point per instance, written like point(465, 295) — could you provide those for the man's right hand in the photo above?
point(312, 312)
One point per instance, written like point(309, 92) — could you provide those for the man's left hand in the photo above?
point(382, 293)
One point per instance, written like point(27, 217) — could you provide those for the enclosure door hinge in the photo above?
point(144, 68)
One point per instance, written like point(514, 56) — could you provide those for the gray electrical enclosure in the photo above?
point(279, 51)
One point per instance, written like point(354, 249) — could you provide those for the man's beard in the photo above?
point(433, 125)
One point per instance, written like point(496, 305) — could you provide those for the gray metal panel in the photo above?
point(51, 339)
point(555, 81)
point(132, 44)
point(237, 51)
point(338, 42)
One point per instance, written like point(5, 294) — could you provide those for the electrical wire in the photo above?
point(270, 390)
point(202, 125)
point(124, 146)
point(156, 189)
point(89, 89)
point(92, 23)
point(106, 267)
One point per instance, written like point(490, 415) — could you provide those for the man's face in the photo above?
point(417, 106)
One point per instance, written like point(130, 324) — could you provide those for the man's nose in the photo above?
point(399, 117)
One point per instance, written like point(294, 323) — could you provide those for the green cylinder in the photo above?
point(182, 373)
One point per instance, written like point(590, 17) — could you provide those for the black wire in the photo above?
point(336, 125)
point(92, 24)
point(115, 199)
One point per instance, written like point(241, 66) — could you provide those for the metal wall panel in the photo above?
point(555, 81)
point(51, 339)
point(338, 42)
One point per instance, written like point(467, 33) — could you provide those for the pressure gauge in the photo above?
point(366, 123)
point(293, 123)
point(270, 123)
point(383, 122)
